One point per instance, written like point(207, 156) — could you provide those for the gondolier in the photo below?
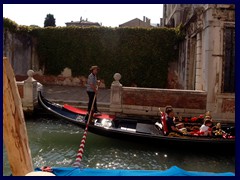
point(92, 84)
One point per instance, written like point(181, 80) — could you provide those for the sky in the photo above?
point(110, 15)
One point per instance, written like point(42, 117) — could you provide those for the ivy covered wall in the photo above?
point(140, 55)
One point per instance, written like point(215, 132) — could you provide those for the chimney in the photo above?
point(161, 22)
point(144, 19)
point(148, 21)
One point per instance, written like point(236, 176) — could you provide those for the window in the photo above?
point(229, 60)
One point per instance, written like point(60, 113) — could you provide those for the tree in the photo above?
point(49, 21)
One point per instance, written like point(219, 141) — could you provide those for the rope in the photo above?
point(78, 160)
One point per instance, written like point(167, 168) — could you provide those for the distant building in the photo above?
point(83, 23)
point(137, 23)
point(207, 53)
point(155, 25)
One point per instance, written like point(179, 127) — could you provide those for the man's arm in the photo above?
point(175, 129)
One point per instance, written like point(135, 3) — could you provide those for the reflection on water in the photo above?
point(55, 143)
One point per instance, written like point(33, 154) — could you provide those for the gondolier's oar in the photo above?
point(83, 141)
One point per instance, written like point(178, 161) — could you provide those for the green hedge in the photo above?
point(10, 25)
point(140, 55)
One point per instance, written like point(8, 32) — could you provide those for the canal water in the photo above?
point(54, 142)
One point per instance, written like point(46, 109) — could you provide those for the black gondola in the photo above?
point(133, 128)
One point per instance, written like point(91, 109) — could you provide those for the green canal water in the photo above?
point(54, 142)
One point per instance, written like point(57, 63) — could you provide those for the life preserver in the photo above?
point(164, 123)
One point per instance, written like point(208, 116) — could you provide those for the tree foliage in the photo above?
point(49, 21)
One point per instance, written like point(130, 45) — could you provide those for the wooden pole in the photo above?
point(14, 128)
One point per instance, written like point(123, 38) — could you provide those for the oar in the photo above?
point(83, 141)
point(91, 111)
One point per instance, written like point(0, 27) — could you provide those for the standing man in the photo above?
point(92, 88)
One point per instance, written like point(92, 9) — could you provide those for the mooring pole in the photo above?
point(14, 128)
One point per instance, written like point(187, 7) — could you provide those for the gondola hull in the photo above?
point(138, 130)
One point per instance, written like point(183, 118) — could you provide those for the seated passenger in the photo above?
point(217, 130)
point(206, 128)
point(170, 122)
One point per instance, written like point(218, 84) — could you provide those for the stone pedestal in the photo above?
point(29, 99)
point(116, 94)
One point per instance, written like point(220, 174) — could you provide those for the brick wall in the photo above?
point(228, 105)
point(146, 101)
point(162, 97)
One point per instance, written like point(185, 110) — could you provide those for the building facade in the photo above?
point(207, 53)
point(83, 23)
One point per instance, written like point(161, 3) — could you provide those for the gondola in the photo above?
point(137, 129)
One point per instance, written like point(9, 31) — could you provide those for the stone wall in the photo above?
point(20, 50)
point(59, 80)
point(173, 76)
